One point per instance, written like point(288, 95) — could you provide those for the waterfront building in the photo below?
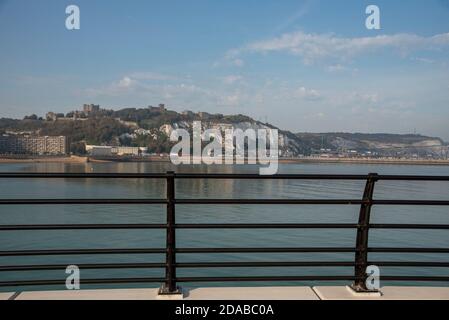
point(33, 145)
point(108, 151)
point(126, 151)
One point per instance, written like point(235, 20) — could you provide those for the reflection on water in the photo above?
point(226, 188)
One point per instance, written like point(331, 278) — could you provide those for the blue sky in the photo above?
point(306, 65)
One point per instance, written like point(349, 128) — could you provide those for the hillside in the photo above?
point(382, 143)
point(151, 127)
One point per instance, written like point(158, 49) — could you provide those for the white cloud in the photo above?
point(231, 79)
point(307, 94)
point(363, 98)
point(144, 75)
point(230, 100)
point(303, 9)
point(336, 68)
point(125, 82)
point(139, 82)
point(313, 47)
point(123, 86)
point(237, 62)
point(423, 60)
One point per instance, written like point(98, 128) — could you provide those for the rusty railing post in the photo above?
point(361, 254)
point(170, 286)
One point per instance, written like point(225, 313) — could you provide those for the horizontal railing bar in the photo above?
point(82, 281)
point(225, 265)
point(178, 250)
point(265, 264)
point(220, 226)
point(409, 250)
point(409, 264)
point(222, 176)
point(271, 201)
point(265, 250)
point(409, 226)
point(268, 226)
point(412, 202)
point(269, 177)
point(178, 175)
point(179, 265)
point(50, 252)
point(181, 226)
point(80, 226)
point(79, 201)
point(412, 177)
point(105, 175)
point(413, 278)
point(265, 278)
point(309, 176)
point(221, 201)
point(82, 266)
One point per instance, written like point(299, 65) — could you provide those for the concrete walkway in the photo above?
point(241, 293)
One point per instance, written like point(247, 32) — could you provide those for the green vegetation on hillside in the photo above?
point(109, 127)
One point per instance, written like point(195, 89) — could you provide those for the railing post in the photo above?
point(361, 254)
point(169, 287)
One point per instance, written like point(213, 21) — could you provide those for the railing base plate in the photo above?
point(165, 294)
point(360, 292)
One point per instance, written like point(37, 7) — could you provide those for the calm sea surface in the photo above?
point(139, 188)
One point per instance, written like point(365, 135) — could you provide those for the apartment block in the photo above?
point(35, 145)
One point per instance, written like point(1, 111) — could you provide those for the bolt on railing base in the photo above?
point(166, 293)
point(360, 290)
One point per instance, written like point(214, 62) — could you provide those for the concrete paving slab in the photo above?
point(388, 293)
point(101, 294)
point(416, 293)
point(241, 293)
point(6, 295)
point(252, 293)
point(238, 293)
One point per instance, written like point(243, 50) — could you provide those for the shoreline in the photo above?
point(68, 159)
point(367, 161)
point(81, 159)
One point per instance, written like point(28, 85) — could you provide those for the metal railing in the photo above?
point(170, 281)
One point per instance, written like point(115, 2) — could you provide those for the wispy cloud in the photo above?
point(307, 94)
point(302, 10)
point(139, 82)
point(423, 60)
point(146, 87)
point(145, 75)
point(232, 79)
point(314, 47)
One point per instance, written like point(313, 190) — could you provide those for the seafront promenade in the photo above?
point(239, 293)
